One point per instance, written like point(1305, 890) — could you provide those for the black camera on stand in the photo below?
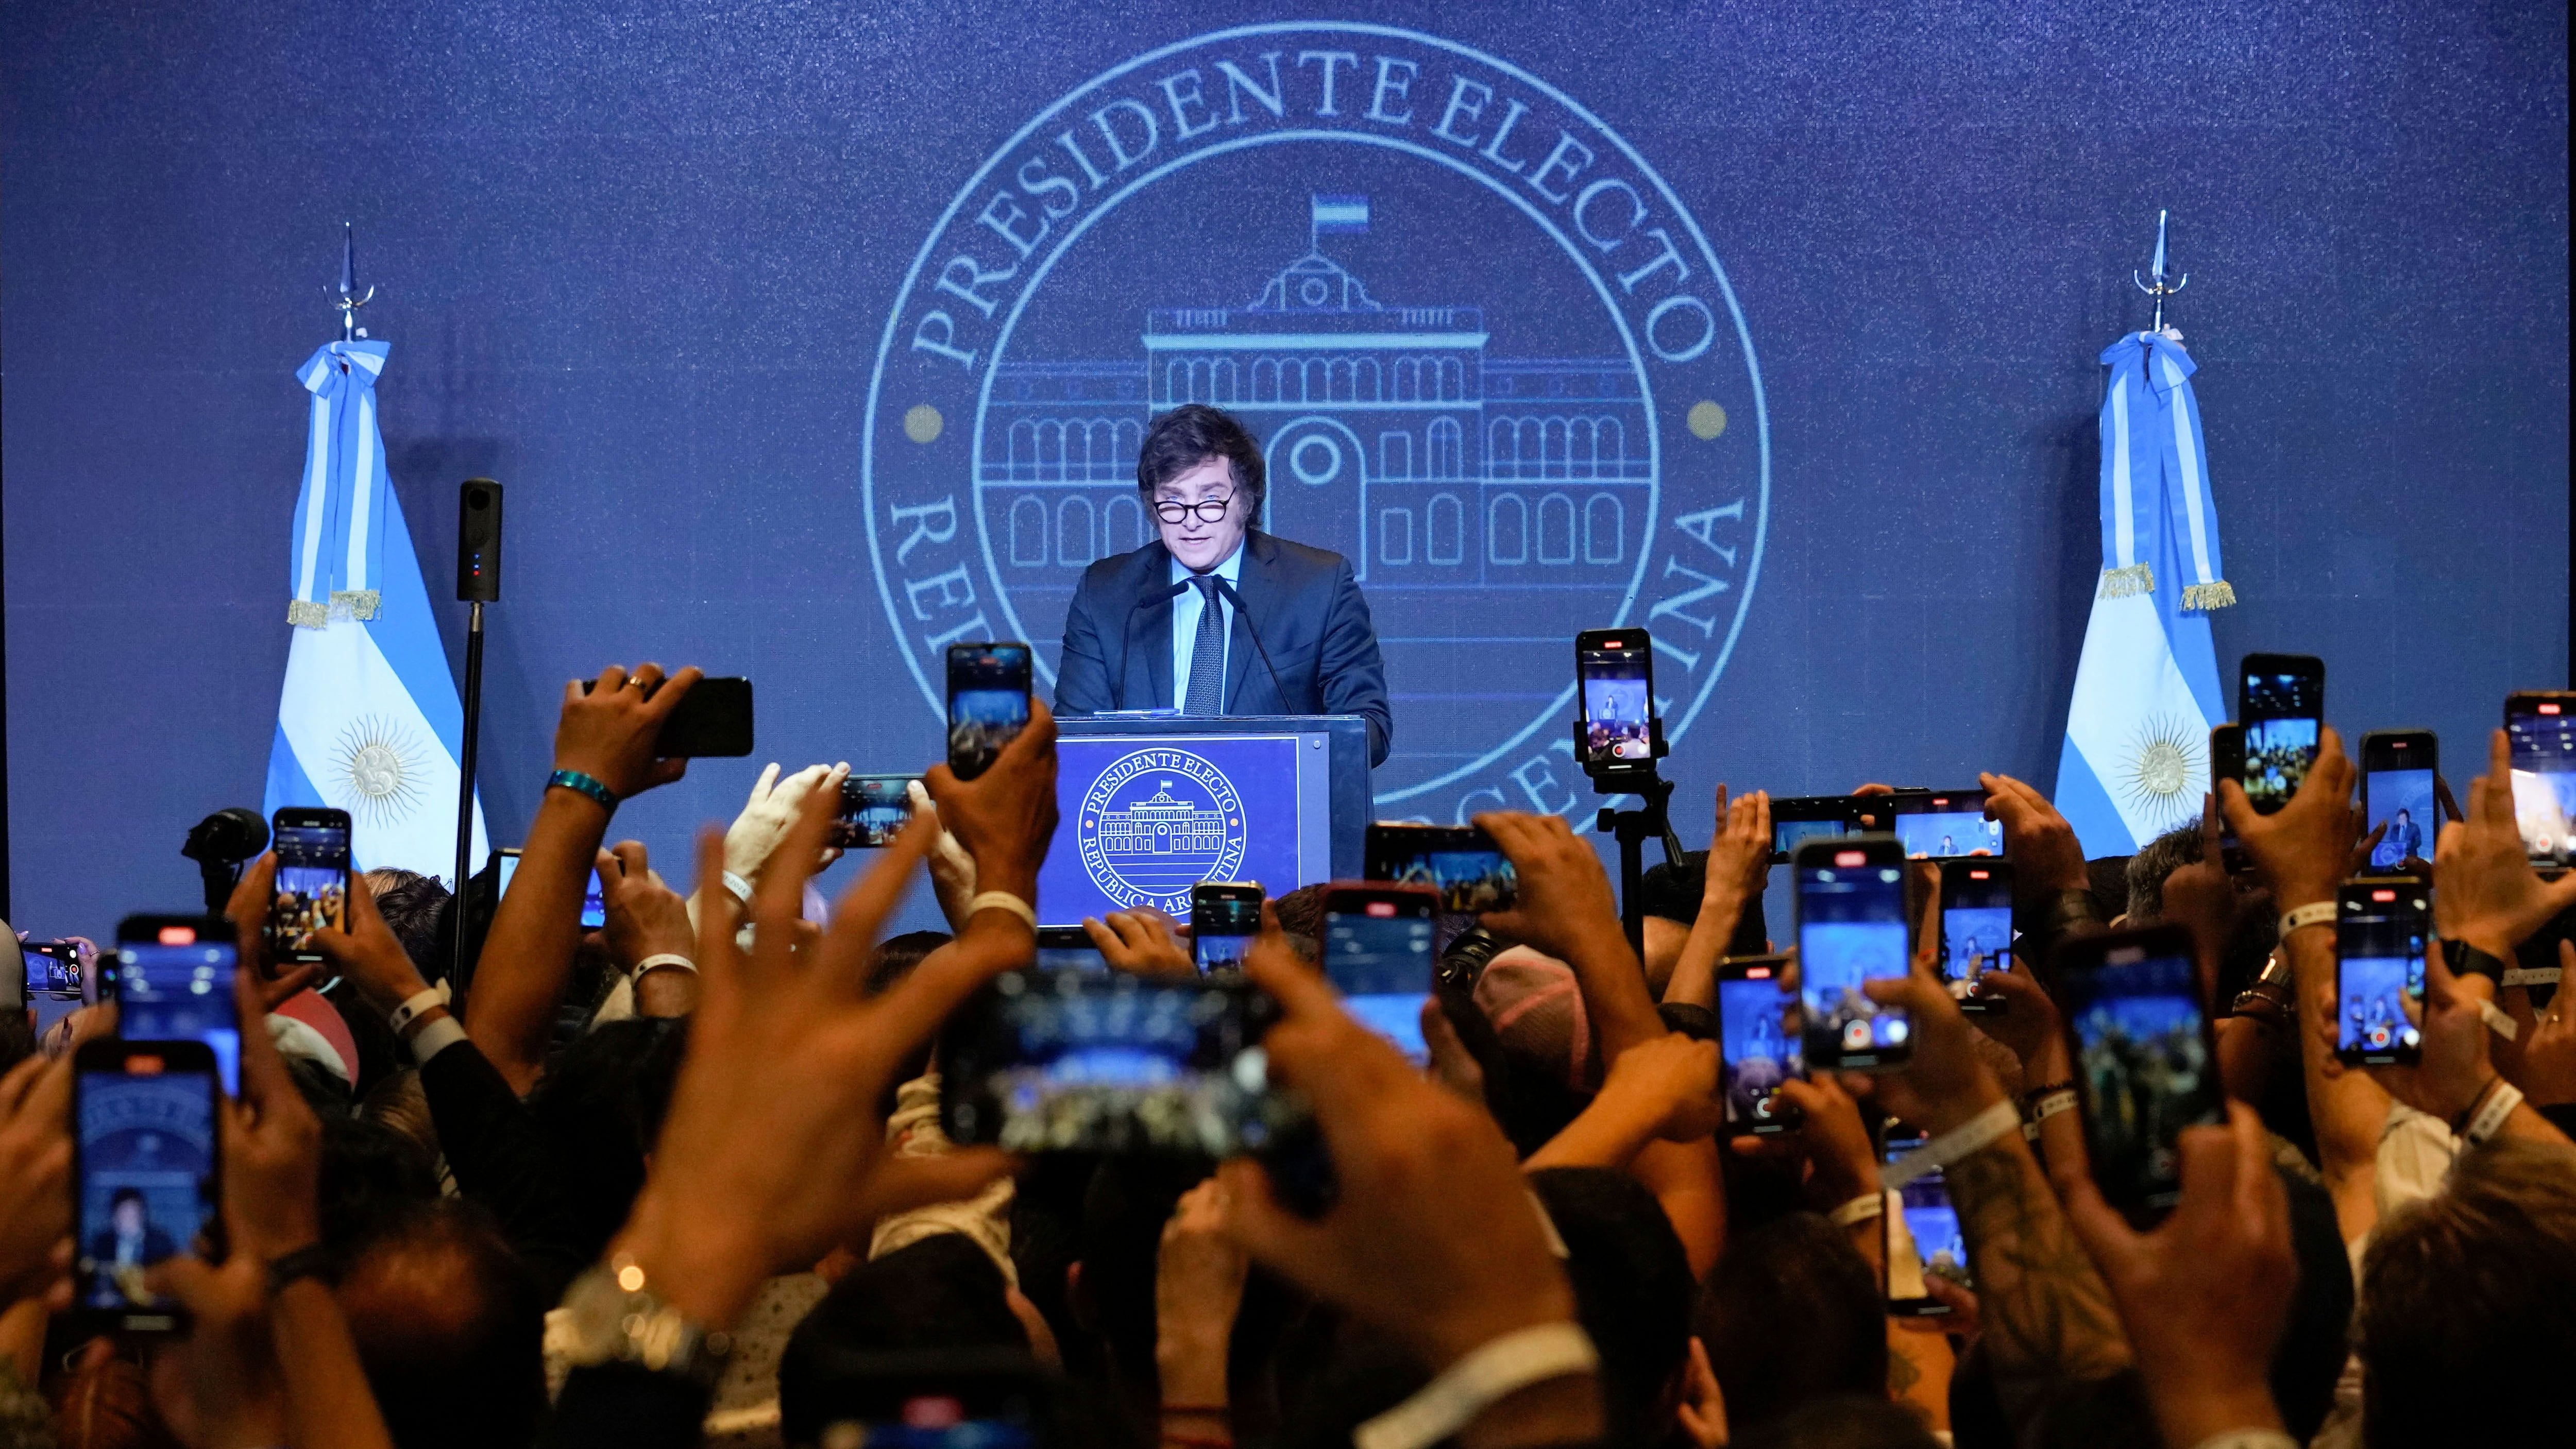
point(1618, 738)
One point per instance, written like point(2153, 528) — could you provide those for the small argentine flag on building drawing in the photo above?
point(2136, 761)
point(1338, 214)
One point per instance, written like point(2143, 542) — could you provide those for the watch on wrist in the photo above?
point(615, 1317)
point(310, 1261)
point(2465, 959)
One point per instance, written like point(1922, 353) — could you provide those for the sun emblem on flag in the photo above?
point(378, 765)
point(2159, 770)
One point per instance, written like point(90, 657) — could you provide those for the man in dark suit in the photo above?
point(1216, 617)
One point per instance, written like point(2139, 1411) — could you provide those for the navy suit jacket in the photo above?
point(1313, 625)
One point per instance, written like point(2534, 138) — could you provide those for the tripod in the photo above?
point(1634, 828)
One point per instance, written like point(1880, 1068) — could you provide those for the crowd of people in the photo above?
point(683, 1179)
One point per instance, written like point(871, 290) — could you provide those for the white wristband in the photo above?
point(1003, 901)
point(2490, 1118)
point(2314, 913)
point(2248, 1439)
point(434, 1038)
point(409, 1012)
point(738, 888)
point(2061, 1100)
point(2530, 976)
point(2497, 1022)
point(1973, 1135)
point(670, 959)
point(1859, 1210)
point(1471, 1385)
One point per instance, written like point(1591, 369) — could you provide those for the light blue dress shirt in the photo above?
point(1185, 619)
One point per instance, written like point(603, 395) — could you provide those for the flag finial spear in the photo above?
point(349, 300)
point(2160, 288)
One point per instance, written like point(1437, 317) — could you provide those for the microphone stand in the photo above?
point(456, 969)
point(478, 581)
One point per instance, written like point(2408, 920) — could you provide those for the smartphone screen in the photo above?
point(2142, 1060)
point(2397, 794)
point(1976, 928)
point(1939, 1248)
point(176, 984)
point(1068, 948)
point(312, 847)
point(1459, 862)
point(594, 903)
point(1945, 824)
point(1851, 929)
point(2380, 929)
point(53, 981)
point(1377, 951)
point(1797, 820)
point(145, 1181)
point(874, 810)
point(2542, 732)
point(1615, 668)
point(1225, 916)
point(1090, 1061)
point(2227, 762)
point(988, 703)
point(1758, 1043)
point(508, 860)
point(2280, 701)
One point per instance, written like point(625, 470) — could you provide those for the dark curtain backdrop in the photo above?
point(635, 260)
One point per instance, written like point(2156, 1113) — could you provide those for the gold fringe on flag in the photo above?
point(2212, 595)
point(305, 614)
point(356, 603)
point(2121, 583)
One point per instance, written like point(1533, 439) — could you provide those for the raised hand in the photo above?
point(35, 1169)
point(247, 909)
point(1005, 817)
point(608, 733)
point(645, 917)
point(1944, 1082)
point(368, 954)
point(2484, 889)
point(2547, 1071)
point(2454, 1062)
point(2300, 849)
point(2199, 896)
point(1842, 1163)
point(1739, 857)
point(272, 1145)
point(1140, 942)
point(2045, 853)
point(1566, 910)
point(767, 816)
point(1198, 1287)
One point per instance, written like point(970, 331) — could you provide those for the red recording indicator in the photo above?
point(178, 935)
point(1758, 973)
point(144, 1066)
point(1381, 908)
point(1851, 857)
point(1614, 643)
point(2397, 744)
point(2383, 895)
point(2549, 709)
point(1981, 875)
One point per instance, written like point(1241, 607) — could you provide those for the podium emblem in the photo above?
point(1157, 822)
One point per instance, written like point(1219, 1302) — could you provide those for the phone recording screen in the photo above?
point(312, 885)
point(181, 992)
point(1461, 864)
point(594, 903)
point(1976, 926)
point(147, 1161)
point(2143, 1060)
point(1083, 1061)
point(988, 702)
point(1618, 704)
point(2544, 780)
point(1757, 1034)
point(874, 810)
point(52, 967)
point(1222, 928)
point(2401, 800)
point(1931, 1220)
point(2379, 970)
point(1939, 827)
point(1379, 955)
point(1788, 835)
point(1851, 929)
point(2281, 712)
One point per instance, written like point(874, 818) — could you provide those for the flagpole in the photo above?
point(2160, 288)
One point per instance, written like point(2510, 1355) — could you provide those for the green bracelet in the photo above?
point(581, 784)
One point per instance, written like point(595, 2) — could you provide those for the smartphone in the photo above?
point(1801, 818)
point(507, 858)
point(2281, 702)
point(1377, 952)
point(1758, 1042)
point(1851, 929)
point(312, 847)
point(2381, 925)
point(1930, 1221)
point(1614, 670)
point(1945, 824)
point(1100, 1061)
point(1068, 948)
point(988, 703)
point(2540, 726)
point(1460, 862)
point(1976, 929)
point(1225, 916)
point(711, 721)
point(2143, 1060)
point(874, 810)
point(146, 1174)
point(2227, 762)
point(2397, 770)
point(175, 983)
point(54, 981)
point(594, 903)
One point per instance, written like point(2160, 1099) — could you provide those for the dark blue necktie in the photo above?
point(1207, 654)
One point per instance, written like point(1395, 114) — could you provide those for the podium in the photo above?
point(1153, 802)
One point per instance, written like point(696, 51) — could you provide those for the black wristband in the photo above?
point(2467, 960)
point(310, 1261)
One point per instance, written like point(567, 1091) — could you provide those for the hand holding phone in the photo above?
point(175, 983)
point(2144, 1063)
point(611, 727)
point(1761, 1042)
point(1976, 929)
point(1851, 931)
point(146, 1175)
point(988, 703)
point(1225, 919)
point(1459, 862)
point(2382, 926)
point(874, 810)
point(2399, 769)
point(2540, 731)
point(1377, 951)
point(2280, 702)
point(311, 889)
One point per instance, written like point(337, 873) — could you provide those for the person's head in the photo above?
point(2468, 1302)
point(1632, 1292)
point(2402, 817)
point(449, 1326)
point(942, 1293)
point(1301, 920)
point(2155, 860)
point(1194, 459)
point(125, 1211)
point(411, 904)
point(1792, 1314)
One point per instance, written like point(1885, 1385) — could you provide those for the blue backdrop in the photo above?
point(1770, 327)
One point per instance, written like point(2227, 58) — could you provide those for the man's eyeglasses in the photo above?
point(1209, 510)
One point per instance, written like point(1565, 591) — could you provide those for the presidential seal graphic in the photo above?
point(1157, 822)
point(1491, 358)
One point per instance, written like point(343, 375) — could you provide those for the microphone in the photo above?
point(219, 844)
point(1263, 650)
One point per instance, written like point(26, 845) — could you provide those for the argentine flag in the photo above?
point(2136, 761)
point(369, 721)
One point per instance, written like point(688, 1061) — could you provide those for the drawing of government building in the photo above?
point(1390, 436)
point(1162, 826)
